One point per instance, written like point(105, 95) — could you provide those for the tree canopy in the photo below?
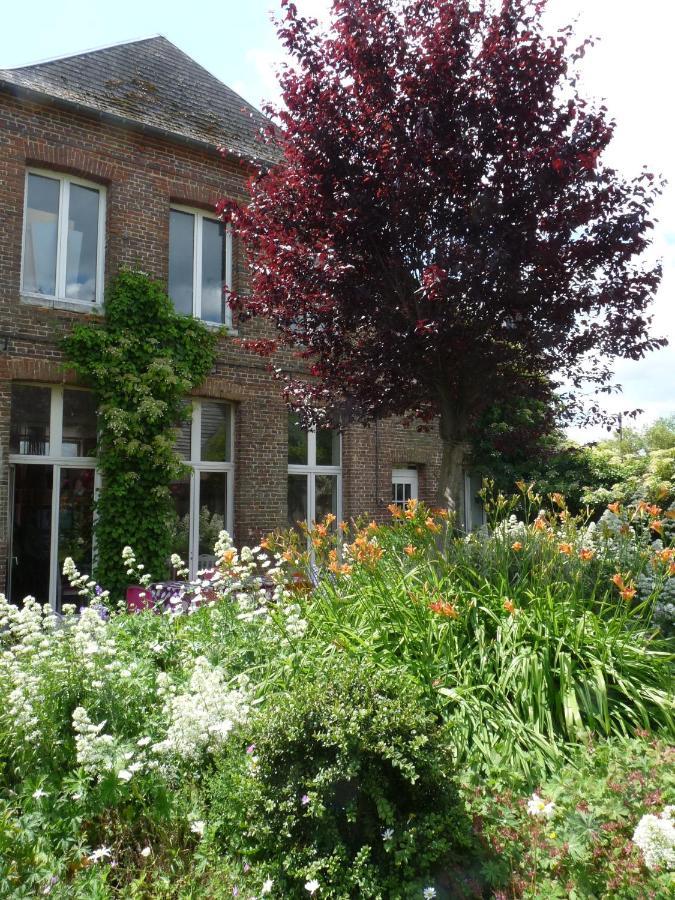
point(441, 233)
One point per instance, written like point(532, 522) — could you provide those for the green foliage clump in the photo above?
point(353, 784)
point(521, 637)
point(141, 364)
point(585, 848)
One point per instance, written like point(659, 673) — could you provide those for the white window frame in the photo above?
point(59, 299)
point(196, 468)
point(469, 524)
point(406, 476)
point(57, 461)
point(311, 470)
point(199, 216)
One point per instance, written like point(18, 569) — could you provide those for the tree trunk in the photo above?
point(451, 480)
point(451, 491)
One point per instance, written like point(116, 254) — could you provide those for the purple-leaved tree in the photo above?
point(440, 233)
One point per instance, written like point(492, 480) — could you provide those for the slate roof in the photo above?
point(150, 84)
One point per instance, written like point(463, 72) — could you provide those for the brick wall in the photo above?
point(143, 176)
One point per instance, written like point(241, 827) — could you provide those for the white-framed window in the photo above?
point(53, 484)
point(63, 239)
point(404, 486)
point(474, 511)
point(314, 473)
point(200, 265)
point(204, 500)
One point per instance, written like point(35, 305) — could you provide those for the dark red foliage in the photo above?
point(441, 232)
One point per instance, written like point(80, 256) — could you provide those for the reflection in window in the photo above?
point(41, 235)
point(82, 244)
point(52, 488)
point(181, 260)
point(203, 501)
point(314, 474)
point(62, 248)
point(29, 420)
point(215, 431)
point(199, 266)
point(79, 423)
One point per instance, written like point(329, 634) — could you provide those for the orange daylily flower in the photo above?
point(566, 549)
point(443, 608)
point(614, 507)
point(657, 527)
point(558, 499)
point(410, 550)
point(431, 525)
point(343, 526)
point(329, 518)
point(509, 606)
point(627, 592)
point(586, 555)
point(540, 523)
point(516, 545)
point(395, 510)
point(229, 556)
point(670, 514)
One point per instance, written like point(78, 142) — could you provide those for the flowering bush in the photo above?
point(350, 786)
point(291, 723)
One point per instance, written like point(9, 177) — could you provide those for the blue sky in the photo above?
point(631, 68)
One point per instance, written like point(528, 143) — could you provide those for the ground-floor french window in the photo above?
point(51, 490)
point(204, 499)
point(314, 473)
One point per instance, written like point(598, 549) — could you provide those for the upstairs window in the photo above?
point(63, 239)
point(200, 265)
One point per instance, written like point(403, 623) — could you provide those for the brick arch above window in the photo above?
point(71, 161)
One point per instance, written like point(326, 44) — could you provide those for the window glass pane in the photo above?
point(297, 442)
point(29, 422)
point(76, 518)
point(79, 424)
point(213, 271)
point(31, 507)
point(183, 445)
point(82, 243)
point(215, 436)
point(181, 260)
point(42, 214)
point(180, 539)
point(325, 496)
point(297, 499)
point(327, 447)
point(212, 514)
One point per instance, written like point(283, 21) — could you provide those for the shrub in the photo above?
point(352, 785)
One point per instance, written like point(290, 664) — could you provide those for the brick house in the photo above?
point(111, 159)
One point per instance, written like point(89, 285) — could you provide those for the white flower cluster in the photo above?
point(135, 569)
point(201, 716)
point(84, 584)
point(655, 836)
point(98, 753)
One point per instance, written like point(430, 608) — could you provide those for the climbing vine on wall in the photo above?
point(141, 363)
